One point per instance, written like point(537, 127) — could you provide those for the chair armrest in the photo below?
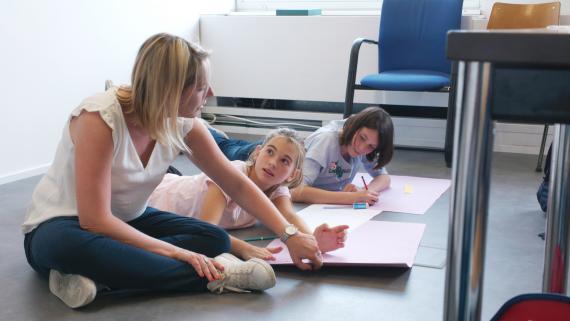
point(359, 41)
point(356, 47)
point(351, 78)
point(354, 52)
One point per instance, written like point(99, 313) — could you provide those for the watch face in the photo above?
point(291, 230)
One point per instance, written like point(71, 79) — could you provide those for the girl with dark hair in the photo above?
point(334, 153)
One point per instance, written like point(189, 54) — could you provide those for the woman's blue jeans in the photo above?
point(61, 244)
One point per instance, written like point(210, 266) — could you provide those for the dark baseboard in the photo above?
point(331, 107)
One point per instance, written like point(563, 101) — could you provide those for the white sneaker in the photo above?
point(239, 276)
point(73, 289)
point(205, 122)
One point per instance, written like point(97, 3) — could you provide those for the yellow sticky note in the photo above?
point(408, 189)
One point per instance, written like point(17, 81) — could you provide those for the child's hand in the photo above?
point(330, 239)
point(264, 253)
point(369, 197)
point(350, 188)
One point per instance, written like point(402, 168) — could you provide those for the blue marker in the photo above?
point(359, 206)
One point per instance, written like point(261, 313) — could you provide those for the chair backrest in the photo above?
point(523, 16)
point(536, 307)
point(413, 33)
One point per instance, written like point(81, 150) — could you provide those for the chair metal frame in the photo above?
point(352, 86)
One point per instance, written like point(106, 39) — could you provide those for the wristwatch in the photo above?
point(290, 230)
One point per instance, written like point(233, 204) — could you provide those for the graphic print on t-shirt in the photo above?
point(335, 168)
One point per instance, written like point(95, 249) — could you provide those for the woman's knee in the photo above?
point(58, 241)
point(220, 241)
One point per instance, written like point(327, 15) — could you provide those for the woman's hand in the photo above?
point(204, 266)
point(330, 239)
point(264, 253)
point(304, 246)
point(369, 197)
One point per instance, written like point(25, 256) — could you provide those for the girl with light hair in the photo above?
point(274, 166)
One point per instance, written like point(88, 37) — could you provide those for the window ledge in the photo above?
point(466, 12)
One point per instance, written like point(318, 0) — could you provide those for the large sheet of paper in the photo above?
point(373, 243)
point(407, 194)
point(317, 214)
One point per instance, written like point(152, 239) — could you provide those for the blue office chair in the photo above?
point(411, 48)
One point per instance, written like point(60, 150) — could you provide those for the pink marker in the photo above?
point(363, 181)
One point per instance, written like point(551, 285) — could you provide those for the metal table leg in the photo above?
point(472, 149)
point(558, 215)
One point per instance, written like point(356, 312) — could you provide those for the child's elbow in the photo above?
point(297, 194)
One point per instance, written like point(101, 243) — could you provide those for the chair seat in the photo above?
point(407, 80)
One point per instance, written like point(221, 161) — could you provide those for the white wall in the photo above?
point(296, 58)
point(306, 58)
point(54, 53)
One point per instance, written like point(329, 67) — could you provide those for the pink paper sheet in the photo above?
point(424, 192)
point(317, 214)
point(374, 243)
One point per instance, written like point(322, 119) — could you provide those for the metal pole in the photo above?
point(558, 215)
point(472, 148)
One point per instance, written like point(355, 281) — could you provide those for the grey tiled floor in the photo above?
point(513, 264)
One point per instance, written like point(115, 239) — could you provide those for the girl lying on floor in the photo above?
point(274, 166)
point(334, 153)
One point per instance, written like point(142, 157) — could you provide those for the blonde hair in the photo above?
point(165, 66)
point(292, 137)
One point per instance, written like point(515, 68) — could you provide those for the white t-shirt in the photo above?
point(324, 166)
point(131, 184)
point(184, 195)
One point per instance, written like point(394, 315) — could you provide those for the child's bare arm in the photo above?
point(213, 206)
point(248, 251)
point(313, 195)
point(379, 183)
point(285, 206)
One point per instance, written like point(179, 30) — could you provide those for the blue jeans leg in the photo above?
point(234, 149)
point(62, 244)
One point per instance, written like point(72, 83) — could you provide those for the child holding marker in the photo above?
point(274, 167)
point(334, 153)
